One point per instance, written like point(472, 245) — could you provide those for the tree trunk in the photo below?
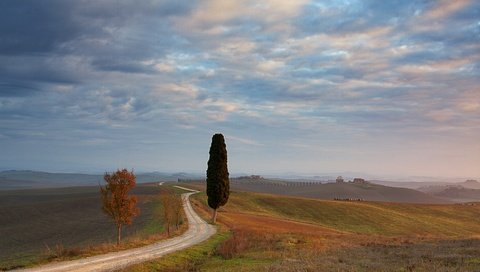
point(119, 234)
point(214, 218)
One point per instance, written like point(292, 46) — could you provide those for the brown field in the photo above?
point(44, 224)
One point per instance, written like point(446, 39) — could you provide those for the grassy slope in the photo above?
point(271, 232)
point(371, 236)
point(364, 217)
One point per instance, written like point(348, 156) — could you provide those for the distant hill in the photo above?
point(345, 190)
point(458, 193)
point(409, 184)
point(462, 191)
point(473, 184)
point(25, 179)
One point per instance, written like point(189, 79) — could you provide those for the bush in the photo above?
point(239, 242)
point(61, 252)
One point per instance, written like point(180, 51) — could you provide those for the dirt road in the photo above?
point(198, 231)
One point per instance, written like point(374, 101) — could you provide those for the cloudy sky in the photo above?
point(380, 87)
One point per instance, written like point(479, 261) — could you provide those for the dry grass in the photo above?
point(267, 237)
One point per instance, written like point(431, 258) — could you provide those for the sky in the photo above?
point(386, 88)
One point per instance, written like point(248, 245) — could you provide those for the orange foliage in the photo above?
point(117, 203)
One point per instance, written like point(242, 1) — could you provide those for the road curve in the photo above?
point(198, 231)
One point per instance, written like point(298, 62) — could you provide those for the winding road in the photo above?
point(198, 231)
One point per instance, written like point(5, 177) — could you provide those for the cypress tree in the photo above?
point(218, 187)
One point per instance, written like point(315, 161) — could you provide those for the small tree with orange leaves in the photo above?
point(117, 203)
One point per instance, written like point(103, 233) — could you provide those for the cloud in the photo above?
point(266, 72)
point(45, 26)
point(124, 67)
point(443, 9)
point(243, 141)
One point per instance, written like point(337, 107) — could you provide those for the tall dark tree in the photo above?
point(218, 184)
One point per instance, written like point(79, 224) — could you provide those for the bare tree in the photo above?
point(172, 209)
point(177, 210)
point(166, 197)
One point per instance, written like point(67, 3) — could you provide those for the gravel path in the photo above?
point(198, 231)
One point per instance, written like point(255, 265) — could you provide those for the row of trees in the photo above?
point(121, 206)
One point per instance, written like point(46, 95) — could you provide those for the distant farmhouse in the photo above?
point(360, 181)
point(340, 179)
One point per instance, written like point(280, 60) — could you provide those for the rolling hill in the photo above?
point(345, 190)
point(472, 184)
point(454, 193)
point(25, 179)
point(458, 192)
point(361, 217)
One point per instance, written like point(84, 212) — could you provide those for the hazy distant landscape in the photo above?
point(25, 179)
point(375, 190)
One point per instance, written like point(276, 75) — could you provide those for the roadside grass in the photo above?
point(18, 261)
point(184, 260)
point(146, 230)
point(193, 257)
